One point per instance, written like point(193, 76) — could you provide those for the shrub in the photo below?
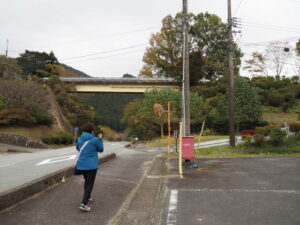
point(277, 136)
point(259, 139)
point(247, 139)
point(58, 138)
point(262, 131)
point(276, 99)
point(248, 132)
point(214, 101)
point(110, 134)
point(207, 132)
point(16, 116)
point(266, 129)
point(2, 102)
point(42, 118)
point(295, 127)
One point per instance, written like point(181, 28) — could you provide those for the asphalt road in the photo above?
point(114, 186)
point(20, 168)
point(235, 191)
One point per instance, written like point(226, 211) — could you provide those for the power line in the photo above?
point(109, 56)
point(99, 37)
point(265, 27)
point(238, 7)
point(272, 25)
point(293, 38)
point(104, 52)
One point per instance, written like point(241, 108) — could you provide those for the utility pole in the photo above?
point(231, 79)
point(186, 72)
point(6, 48)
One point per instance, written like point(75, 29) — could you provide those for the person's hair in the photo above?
point(88, 127)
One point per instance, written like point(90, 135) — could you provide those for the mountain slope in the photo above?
point(71, 72)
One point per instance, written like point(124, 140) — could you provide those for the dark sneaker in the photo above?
point(84, 207)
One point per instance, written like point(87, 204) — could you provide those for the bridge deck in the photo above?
point(120, 85)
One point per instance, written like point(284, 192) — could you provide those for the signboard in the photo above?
point(188, 148)
point(76, 129)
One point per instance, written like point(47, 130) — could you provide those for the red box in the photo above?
point(188, 147)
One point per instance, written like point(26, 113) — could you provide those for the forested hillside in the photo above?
point(110, 107)
point(73, 72)
point(26, 100)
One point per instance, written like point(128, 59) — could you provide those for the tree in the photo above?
point(208, 46)
point(75, 111)
point(277, 56)
point(25, 101)
point(9, 67)
point(256, 66)
point(297, 62)
point(298, 47)
point(50, 70)
point(144, 123)
point(127, 75)
point(247, 105)
point(30, 61)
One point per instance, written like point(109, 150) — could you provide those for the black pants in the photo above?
point(89, 179)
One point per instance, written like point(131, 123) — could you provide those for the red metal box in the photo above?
point(188, 147)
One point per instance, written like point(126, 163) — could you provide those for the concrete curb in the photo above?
point(20, 193)
point(130, 210)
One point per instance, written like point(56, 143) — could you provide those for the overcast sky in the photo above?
point(99, 28)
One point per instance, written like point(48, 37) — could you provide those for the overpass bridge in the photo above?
point(119, 85)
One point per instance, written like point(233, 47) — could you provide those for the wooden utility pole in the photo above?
point(231, 79)
point(185, 76)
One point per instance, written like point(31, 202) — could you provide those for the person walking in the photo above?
point(87, 164)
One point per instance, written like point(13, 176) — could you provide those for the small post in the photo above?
point(200, 135)
point(75, 134)
point(180, 151)
point(169, 127)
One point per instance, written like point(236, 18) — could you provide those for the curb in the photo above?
point(20, 193)
point(152, 215)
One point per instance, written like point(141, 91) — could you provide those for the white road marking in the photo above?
point(171, 219)
point(5, 165)
point(55, 160)
point(243, 190)
point(65, 153)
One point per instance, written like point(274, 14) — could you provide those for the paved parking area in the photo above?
point(235, 191)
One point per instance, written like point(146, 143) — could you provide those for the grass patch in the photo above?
point(290, 147)
point(280, 118)
point(162, 142)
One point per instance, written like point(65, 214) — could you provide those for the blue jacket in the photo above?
point(88, 159)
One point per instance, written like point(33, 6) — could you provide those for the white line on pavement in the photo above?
point(65, 153)
point(242, 190)
point(5, 165)
point(55, 160)
point(171, 219)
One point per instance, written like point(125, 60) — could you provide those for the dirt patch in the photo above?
point(3, 150)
